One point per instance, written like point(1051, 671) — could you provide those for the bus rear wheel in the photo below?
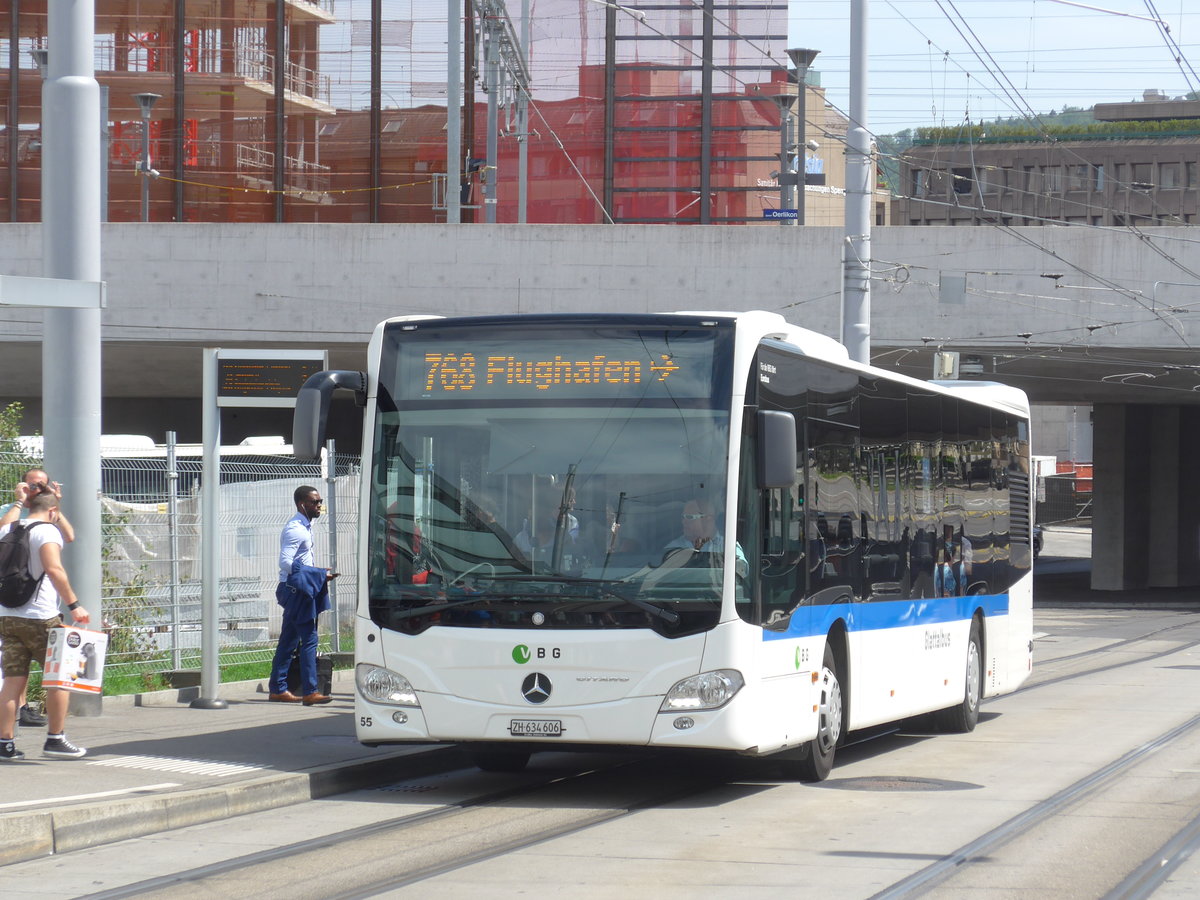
point(816, 759)
point(500, 760)
point(961, 717)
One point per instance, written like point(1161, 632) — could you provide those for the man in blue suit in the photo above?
point(303, 592)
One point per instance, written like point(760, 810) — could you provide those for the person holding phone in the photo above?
point(24, 629)
point(35, 481)
point(303, 592)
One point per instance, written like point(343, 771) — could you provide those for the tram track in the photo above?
point(488, 825)
point(980, 850)
point(1158, 863)
point(1191, 620)
point(496, 823)
point(1123, 645)
point(1098, 670)
point(1159, 866)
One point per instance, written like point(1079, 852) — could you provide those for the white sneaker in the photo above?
point(62, 748)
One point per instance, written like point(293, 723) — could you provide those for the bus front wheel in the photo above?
point(816, 760)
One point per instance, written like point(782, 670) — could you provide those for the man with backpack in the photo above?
point(24, 628)
point(36, 480)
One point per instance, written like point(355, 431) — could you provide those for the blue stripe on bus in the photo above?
point(880, 614)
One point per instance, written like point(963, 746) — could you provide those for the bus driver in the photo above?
point(700, 533)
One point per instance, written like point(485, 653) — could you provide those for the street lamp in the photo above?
point(802, 59)
point(146, 102)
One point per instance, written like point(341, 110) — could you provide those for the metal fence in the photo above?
point(151, 554)
point(1061, 499)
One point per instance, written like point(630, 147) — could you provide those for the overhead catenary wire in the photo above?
point(1185, 67)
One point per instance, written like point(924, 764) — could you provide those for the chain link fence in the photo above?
point(151, 555)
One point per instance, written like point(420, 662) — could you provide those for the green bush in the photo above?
point(1032, 132)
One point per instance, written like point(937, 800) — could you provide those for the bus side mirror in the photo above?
point(312, 408)
point(776, 449)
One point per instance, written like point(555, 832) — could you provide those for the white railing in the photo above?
point(250, 62)
point(325, 6)
point(301, 175)
point(257, 64)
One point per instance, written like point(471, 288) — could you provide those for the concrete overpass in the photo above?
point(1072, 315)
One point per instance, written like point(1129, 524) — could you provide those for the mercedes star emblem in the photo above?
point(536, 688)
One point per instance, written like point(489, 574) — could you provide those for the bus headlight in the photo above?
point(381, 685)
point(708, 690)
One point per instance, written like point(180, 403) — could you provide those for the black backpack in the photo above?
point(17, 585)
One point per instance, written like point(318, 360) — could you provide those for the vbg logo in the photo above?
point(522, 654)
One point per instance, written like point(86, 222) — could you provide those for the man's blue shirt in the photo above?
point(295, 543)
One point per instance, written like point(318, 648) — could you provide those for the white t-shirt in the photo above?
point(44, 604)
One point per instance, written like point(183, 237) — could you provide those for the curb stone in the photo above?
point(33, 834)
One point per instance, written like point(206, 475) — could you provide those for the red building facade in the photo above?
point(654, 114)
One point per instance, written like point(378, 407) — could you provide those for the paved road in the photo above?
point(1066, 789)
point(1114, 673)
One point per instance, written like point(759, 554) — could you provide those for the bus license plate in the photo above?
point(535, 727)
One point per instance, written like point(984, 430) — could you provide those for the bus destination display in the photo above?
point(548, 369)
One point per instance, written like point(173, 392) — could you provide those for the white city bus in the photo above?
point(688, 530)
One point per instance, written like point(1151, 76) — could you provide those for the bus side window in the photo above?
point(783, 552)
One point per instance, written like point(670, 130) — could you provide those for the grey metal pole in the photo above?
point(145, 102)
point(453, 111)
point(71, 337)
point(709, 16)
point(12, 134)
point(783, 180)
point(493, 124)
point(801, 140)
point(785, 176)
point(105, 147)
point(145, 165)
point(856, 280)
point(173, 546)
point(376, 116)
point(210, 551)
point(789, 146)
point(331, 506)
point(523, 124)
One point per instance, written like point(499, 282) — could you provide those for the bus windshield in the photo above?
point(537, 473)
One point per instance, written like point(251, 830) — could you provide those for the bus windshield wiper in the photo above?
point(668, 616)
point(439, 607)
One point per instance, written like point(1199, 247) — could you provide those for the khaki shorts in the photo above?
point(22, 641)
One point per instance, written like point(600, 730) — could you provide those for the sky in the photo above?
point(941, 62)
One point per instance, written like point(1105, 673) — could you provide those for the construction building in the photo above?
point(236, 88)
point(307, 111)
